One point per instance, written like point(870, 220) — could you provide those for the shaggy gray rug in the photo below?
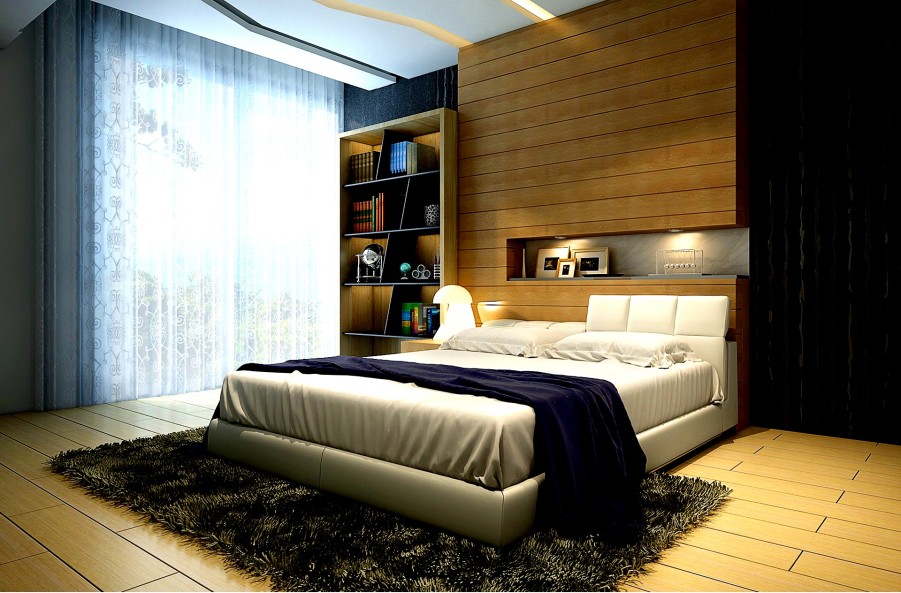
point(305, 539)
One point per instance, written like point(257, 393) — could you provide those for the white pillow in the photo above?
point(529, 342)
point(637, 348)
point(501, 322)
point(571, 326)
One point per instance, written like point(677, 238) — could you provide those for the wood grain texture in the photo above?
point(42, 572)
point(16, 543)
point(100, 555)
point(773, 534)
point(113, 517)
point(847, 574)
point(633, 103)
point(419, 345)
point(621, 118)
point(174, 583)
point(192, 561)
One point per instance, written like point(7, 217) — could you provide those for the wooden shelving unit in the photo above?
point(370, 311)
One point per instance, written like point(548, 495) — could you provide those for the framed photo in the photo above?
point(566, 267)
point(592, 262)
point(546, 264)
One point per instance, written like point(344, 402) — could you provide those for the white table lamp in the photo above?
point(456, 304)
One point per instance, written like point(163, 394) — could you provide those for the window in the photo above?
point(207, 209)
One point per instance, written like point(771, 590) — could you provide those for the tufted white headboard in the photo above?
point(661, 314)
point(701, 320)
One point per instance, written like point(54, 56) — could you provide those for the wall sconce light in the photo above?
point(456, 305)
point(488, 310)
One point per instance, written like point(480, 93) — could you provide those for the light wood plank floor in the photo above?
point(806, 513)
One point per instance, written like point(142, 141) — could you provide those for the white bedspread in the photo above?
point(475, 439)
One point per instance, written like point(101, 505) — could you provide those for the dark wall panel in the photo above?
point(407, 96)
point(824, 261)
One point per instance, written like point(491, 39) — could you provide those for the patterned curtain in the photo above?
point(188, 209)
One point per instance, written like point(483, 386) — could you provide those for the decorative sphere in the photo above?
point(405, 267)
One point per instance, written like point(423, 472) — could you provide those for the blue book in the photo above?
point(399, 157)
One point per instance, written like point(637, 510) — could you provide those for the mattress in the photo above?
point(475, 439)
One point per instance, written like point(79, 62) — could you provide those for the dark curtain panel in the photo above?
point(824, 261)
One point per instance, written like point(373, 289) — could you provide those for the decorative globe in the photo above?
point(372, 254)
point(404, 268)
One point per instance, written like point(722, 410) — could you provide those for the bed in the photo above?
point(465, 463)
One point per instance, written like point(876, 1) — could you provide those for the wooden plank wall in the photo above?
point(625, 117)
point(621, 118)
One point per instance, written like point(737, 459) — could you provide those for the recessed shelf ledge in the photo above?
point(647, 277)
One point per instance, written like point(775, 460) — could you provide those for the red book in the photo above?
point(381, 211)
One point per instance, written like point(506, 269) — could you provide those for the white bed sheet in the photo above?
point(474, 439)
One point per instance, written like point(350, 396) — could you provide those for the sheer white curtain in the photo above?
point(207, 193)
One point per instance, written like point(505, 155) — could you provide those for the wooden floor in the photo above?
point(806, 513)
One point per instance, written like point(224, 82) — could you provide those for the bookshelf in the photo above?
point(388, 199)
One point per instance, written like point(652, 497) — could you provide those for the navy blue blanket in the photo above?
point(584, 441)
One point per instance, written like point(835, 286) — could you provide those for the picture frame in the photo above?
point(566, 267)
point(592, 262)
point(546, 262)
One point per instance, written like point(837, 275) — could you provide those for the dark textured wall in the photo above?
point(407, 96)
point(824, 261)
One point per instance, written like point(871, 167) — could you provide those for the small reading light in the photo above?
point(674, 230)
point(456, 304)
point(559, 237)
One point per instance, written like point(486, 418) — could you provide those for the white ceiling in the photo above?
point(278, 29)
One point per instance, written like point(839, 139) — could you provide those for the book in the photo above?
point(370, 163)
point(409, 318)
point(380, 212)
point(423, 320)
point(421, 158)
point(363, 166)
point(368, 215)
point(398, 163)
point(407, 158)
point(433, 319)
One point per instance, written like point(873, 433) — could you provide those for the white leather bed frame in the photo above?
point(498, 517)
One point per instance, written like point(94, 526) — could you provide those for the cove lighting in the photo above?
point(533, 9)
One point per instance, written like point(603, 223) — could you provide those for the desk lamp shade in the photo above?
point(456, 305)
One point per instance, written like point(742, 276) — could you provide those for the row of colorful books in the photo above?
point(418, 319)
point(363, 166)
point(412, 157)
point(369, 214)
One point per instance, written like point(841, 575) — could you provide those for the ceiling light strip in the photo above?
point(255, 27)
point(535, 12)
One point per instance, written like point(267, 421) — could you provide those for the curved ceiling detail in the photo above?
point(399, 19)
